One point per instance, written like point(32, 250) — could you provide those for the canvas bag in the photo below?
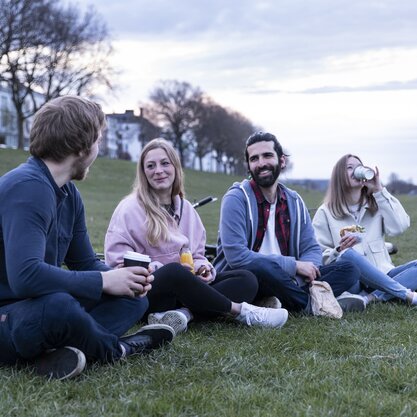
point(323, 301)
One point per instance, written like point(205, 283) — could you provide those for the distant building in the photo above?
point(8, 118)
point(126, 134)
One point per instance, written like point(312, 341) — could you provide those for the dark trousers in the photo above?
point(29, 327)
point(274, 281)
point(174, 286)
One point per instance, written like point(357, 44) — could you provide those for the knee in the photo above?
point(173, 268)
point(61, 308)
point(134, 307)
point(247, 279)
point(173, 272)
point(350, 270)
point(349, 255)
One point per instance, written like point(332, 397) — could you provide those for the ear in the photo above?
point(283, 161)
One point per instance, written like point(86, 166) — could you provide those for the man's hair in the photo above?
point(66, 126)
point(263, 137)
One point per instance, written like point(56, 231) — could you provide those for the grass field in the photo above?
point(362, 365)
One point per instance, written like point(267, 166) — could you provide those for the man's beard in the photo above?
point(268, 180)
point(80, 170)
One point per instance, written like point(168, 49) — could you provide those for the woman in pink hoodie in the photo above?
point(156, 220)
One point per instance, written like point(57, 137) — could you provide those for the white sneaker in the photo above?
point(351, 302)
point(174, 318)
point(269, 302)
point(261, 316)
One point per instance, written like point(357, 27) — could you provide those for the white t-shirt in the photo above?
point(270, 243)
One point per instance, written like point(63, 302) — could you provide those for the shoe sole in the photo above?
point(172, 319)
point(158, 326)
point(351, 305)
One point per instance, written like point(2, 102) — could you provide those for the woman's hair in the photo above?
point(66, 126)
point(157, 218)
point(339, 188)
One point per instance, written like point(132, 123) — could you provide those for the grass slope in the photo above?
point(362, 365)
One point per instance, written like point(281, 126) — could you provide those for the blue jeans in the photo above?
point(399, 282)
point(29, 327)
point(274, 281)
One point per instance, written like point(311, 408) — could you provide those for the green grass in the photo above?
point(362, 365)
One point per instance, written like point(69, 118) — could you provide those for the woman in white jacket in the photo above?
point(351, 201)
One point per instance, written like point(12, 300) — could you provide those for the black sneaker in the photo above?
point(147, 338)
point(62, 363)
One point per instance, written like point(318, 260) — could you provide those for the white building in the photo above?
point(126, 134)
point(8, 119)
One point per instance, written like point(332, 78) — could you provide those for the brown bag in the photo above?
point(323, 301)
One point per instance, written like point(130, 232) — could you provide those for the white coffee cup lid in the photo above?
point(137, 256)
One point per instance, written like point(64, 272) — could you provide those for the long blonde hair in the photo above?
point(157, 218)
point(339, 188)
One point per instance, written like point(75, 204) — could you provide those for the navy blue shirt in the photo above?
point(41, 227)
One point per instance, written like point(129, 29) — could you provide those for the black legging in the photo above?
point(174, 286)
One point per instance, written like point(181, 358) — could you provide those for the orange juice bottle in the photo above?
point(186, 257)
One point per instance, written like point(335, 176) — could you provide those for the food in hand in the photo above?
point(354, 228)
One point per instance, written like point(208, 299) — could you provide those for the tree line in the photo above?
point(49, 49)
point(195, 123)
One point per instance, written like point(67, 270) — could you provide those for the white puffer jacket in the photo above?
point(390, 219)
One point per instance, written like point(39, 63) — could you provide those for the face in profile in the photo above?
point(159, 170)
point(82, 164)
point(264, 165)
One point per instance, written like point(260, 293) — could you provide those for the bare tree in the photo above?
point(16, 15)
point(225, 132)
point(53, 50)
point(175, 107)
point(239, 129)
point(204, 130)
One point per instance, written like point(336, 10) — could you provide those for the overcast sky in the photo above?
point(328, 77)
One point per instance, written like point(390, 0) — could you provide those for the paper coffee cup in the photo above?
point(136, 259)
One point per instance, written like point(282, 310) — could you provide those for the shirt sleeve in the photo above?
point(396, 220)
point(324, 237)
point(26, 223)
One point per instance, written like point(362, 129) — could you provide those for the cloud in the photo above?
point(388, 86)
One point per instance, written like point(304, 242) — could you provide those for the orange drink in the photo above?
point(186, 257)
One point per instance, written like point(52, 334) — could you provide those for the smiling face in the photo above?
point(264, 164)
point(159, 171)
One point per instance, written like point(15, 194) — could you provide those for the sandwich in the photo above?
point(354, 228)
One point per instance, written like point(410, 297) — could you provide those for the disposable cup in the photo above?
point(136, 259)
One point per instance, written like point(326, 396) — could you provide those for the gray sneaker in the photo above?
point(269, 302)
point(261, 316)
point(351, 302)
point(62, 363)
point(174, 318)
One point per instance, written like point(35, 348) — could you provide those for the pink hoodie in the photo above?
point(127, 232)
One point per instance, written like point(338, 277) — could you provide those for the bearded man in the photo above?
point(265, 228)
